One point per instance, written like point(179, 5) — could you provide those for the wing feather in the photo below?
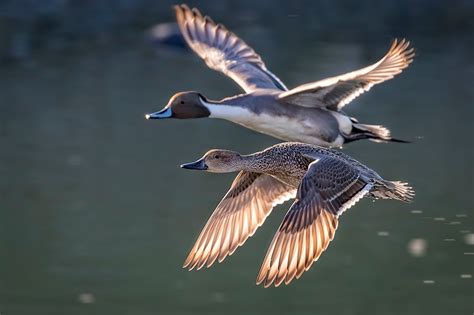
point(336, 92)
point(223, 51)
point(311, 222)
point(244, 208)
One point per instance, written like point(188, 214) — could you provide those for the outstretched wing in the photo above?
point(243, 209)
point(329, 187)
point(223, 51)
point(336, 92)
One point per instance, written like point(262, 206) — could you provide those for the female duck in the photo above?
point(323, 182)
point(309, 113)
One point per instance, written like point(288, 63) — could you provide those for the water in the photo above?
point(97, 218)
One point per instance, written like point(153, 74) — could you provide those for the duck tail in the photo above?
point(374, 133)
point(397, 190)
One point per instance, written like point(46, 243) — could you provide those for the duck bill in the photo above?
point(199, 165)
point(162, 114)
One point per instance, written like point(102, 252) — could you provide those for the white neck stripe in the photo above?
point(227, 111)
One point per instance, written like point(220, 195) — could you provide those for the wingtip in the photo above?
point(196, 12)
point(186, 266)
point(179, 7)
point(267, 283)
point(188, 259)
point(259, 279)
point(192, 263)
point(402, 47)
point(179, 12)
point(182, 6)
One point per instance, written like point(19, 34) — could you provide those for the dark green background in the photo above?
point(92, 200)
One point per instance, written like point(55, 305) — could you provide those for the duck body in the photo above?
point(261, 111)
point(310, 113)
point(289, 162)
point(323, 182)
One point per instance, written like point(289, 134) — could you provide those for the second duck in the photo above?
point(323, 182)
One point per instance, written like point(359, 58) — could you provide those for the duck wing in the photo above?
point(329, 187)
point(223, 51)
point(243, 209)
point(336, 92)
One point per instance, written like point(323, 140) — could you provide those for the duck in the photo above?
point(310, 113)
point(323, 182)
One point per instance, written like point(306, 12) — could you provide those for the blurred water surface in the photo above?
point(96, 217)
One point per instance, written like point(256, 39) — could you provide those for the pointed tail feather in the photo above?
point(374, 133)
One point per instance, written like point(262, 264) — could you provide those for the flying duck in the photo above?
point(324, 183)
point(309, 113)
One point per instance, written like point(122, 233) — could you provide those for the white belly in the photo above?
point(280, 127)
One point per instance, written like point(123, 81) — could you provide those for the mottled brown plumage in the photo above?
point(326, 183)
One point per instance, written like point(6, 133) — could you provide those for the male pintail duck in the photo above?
point(323, 182)
point(309, 113)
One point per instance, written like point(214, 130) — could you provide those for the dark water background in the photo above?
point(96, 217)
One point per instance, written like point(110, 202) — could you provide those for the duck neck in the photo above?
point(256, 162)
point(232, 108)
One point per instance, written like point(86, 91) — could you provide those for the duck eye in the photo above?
point(217, 156)
point(182, 102)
